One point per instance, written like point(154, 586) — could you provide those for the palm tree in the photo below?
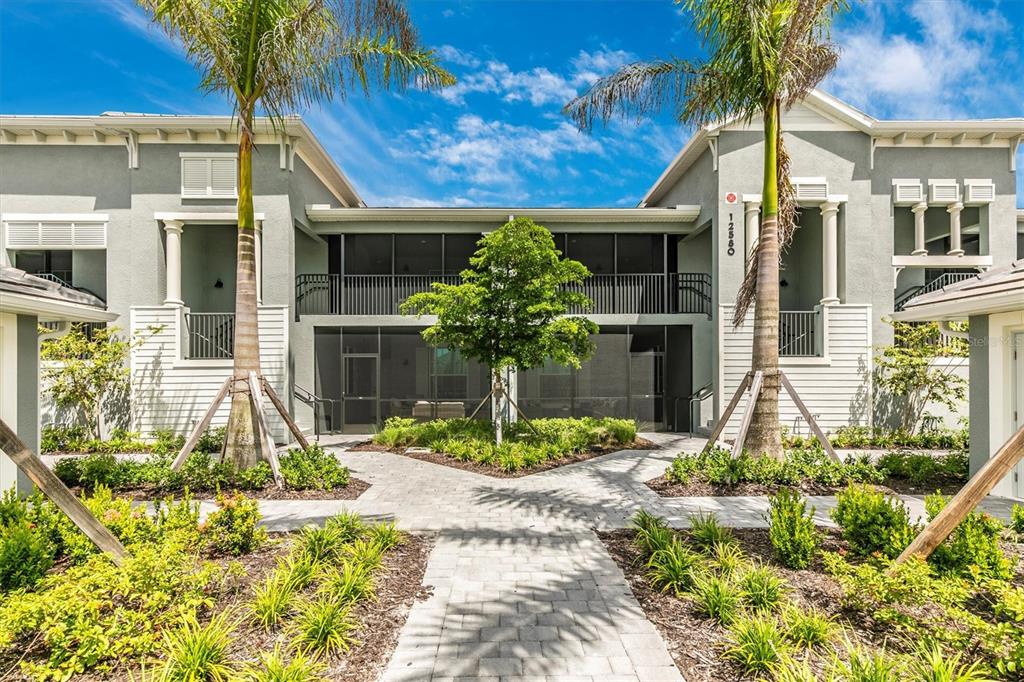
point(762, 57)
point(274, 57)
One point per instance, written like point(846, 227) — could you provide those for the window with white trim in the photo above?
point(209, 175)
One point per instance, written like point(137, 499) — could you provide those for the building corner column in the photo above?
point(258, 257)
point(919, 246)
point(173, 230)
point(830, 252)
point(954, 229)
point(751, 223)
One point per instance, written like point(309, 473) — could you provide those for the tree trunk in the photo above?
point(765, 436)
point(240, 447)
point(499, 406)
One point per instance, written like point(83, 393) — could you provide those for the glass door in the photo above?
point(360, 397)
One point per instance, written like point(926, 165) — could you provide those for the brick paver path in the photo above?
point(522, 587)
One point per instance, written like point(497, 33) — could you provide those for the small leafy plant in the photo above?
point(234, 528)
point(791, 529)
point(872, 521)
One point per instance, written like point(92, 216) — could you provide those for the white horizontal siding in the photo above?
point(837, 393)
point(169, 392)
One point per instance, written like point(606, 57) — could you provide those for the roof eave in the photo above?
point(986, 304)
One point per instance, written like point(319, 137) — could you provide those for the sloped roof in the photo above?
point(997, 291)
point(21, 292)
point(847, 117)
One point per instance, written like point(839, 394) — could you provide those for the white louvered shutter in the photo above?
point(22, 235)
point(57, 235)
point(945, 191)
point(90, 235)
point(195, 176)
point(907, 191)
point(223, 177)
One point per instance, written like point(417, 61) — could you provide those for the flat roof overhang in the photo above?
point(681, 216)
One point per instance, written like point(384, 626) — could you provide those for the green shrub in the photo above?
point(973, 546)
point(871, 521)
point(791, 529)
point(313, 469)
point(25, 556)
point(198, 653)
point(717, 598)
point(201, 472)
point(707, 532)
point(762, 588)
point(347, 525)
point(1017, 519)
point(323, 626)
point(920, 468)
point(69, 471)
point(756, 644)
point(212, 440)
point(807, 627)
point(674, 568)
point(234, 528)
point(95, 614)
point(804, 465)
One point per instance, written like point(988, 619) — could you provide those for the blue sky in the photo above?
point(497, 138)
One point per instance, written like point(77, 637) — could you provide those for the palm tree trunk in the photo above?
point(240, 440)
point(765, 434)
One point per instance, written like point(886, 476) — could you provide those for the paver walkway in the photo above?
point(522, 587)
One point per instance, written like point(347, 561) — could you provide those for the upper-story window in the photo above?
point(208, 175)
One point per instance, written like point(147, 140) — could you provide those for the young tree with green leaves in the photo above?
point(511, 308)
point(274, 57)
point(82, 371)
point(762, 57)
point(909, 373)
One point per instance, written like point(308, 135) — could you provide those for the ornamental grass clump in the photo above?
point(194, 652)
point(717, 598)
point(756, 643)
point(674, 568)
point(763, 589)
point(273, 599)
point(323, 626)
point(808, 627)
point(707, 531)
point(791, 529)
point(285, 665)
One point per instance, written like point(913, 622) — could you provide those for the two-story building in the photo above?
point(140, 210)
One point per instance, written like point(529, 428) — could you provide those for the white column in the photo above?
point(829, 252)
point(173, 228)
point(919, 247)
point(258, 247)
point(752, 225)
point(954, 229)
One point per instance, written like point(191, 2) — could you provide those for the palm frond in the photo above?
point(634, 91)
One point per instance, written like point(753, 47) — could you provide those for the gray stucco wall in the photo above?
point(978, 393)
point(28, 389)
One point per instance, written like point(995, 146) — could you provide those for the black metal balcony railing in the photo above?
point(211, 336)
point(682, 292)
point(939, 282)
point(798, 333)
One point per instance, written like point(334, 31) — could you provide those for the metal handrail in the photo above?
point(208, 334)
point(797, 333)
point(308, 397)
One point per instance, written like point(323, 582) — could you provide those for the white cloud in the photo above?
point(955, 63)
point(539, 86)
point(133, 17)
point(490, 155)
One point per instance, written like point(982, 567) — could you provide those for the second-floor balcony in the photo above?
point(622, 294)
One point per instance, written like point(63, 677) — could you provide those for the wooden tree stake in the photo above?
point(292, 426)
point(724, 419)
point(58, 493)
point(201, 427)
point(264, 428)
point(822, 438)
point(748, 413)
point(967, 499)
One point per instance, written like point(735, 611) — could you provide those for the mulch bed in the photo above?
point(666, 488)
point(399, 584)
point(696, 642)
point(496, 472)
point(354, 489)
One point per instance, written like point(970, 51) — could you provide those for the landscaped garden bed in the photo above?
point(794, 602)
point(310, 474)
point(718, 473)
point(218, 600)
point(469, 444)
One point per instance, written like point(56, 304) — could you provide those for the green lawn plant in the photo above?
point(871, 521)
